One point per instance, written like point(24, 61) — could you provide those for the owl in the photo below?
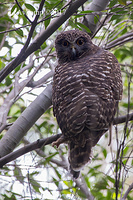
point(87, 87)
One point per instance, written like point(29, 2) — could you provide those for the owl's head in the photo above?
point(70, 45)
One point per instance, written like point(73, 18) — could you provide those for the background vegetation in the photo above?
point(27, 61)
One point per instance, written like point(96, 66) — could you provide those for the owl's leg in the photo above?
point(61, 140)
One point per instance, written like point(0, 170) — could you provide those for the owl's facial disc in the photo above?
point(73, 49)
point(77, 48)
point(69, 49)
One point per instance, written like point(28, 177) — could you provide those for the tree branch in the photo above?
point(122, 119)
point(127, 192)
point(30, 147)
point(26, 120)
point(23, 11)
point(119, 41)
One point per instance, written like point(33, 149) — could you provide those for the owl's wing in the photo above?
point(116, 78)
point(55, 92)
point(103, 75)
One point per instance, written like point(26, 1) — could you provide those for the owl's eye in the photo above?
point(65, 43)
point(80, 42)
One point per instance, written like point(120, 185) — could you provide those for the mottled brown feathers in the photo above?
point(86, 89)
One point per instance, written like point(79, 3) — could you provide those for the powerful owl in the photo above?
point(87, 86)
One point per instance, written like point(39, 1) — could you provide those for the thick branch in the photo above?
point(20, 127)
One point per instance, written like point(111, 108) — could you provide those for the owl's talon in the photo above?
point(61, 140)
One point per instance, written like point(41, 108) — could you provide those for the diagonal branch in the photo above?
point(119, 41)
point(127, 192)
point(13, 64)
point(30, 147)
point(26, 120)
point(23, 11)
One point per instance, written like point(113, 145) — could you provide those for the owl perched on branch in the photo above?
point(86, 90)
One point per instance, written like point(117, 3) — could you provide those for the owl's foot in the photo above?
point(61, 140)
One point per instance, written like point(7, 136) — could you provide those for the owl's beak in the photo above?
point(73, 49)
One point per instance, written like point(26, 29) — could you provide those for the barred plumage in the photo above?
point(86, 89)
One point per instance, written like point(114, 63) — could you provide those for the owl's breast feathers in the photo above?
point(86, 93)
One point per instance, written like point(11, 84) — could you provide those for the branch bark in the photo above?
point(119, 41)
point(30, 147)
point(30, 115)
point(96, 5)
point(127, 192)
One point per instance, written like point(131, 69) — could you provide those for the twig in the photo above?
point(23, 11)
point(42, 80)
point(119, 41)
point(12, 65)
point(127, 192)
point(29, 185)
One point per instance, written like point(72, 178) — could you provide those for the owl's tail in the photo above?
point(79, 155)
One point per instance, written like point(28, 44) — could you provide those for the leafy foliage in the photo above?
point(43, 174)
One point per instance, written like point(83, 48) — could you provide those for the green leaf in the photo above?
point(30, 7)
point(14, 8)
point(96, 19)
point(73, 25)
point(19, 32)
point(112, 180)
point(65, 191)
point(18, 174)
point(82, 13)
point(57, 173)
point(47, 21)
point(8, 81)
point(84, 27)
point(35, 185)
point(112, 3)
point(123, 2)
point(6, 18)
point(104, 152)
point(81, 194)
point(87, 181)
point(101, 184)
